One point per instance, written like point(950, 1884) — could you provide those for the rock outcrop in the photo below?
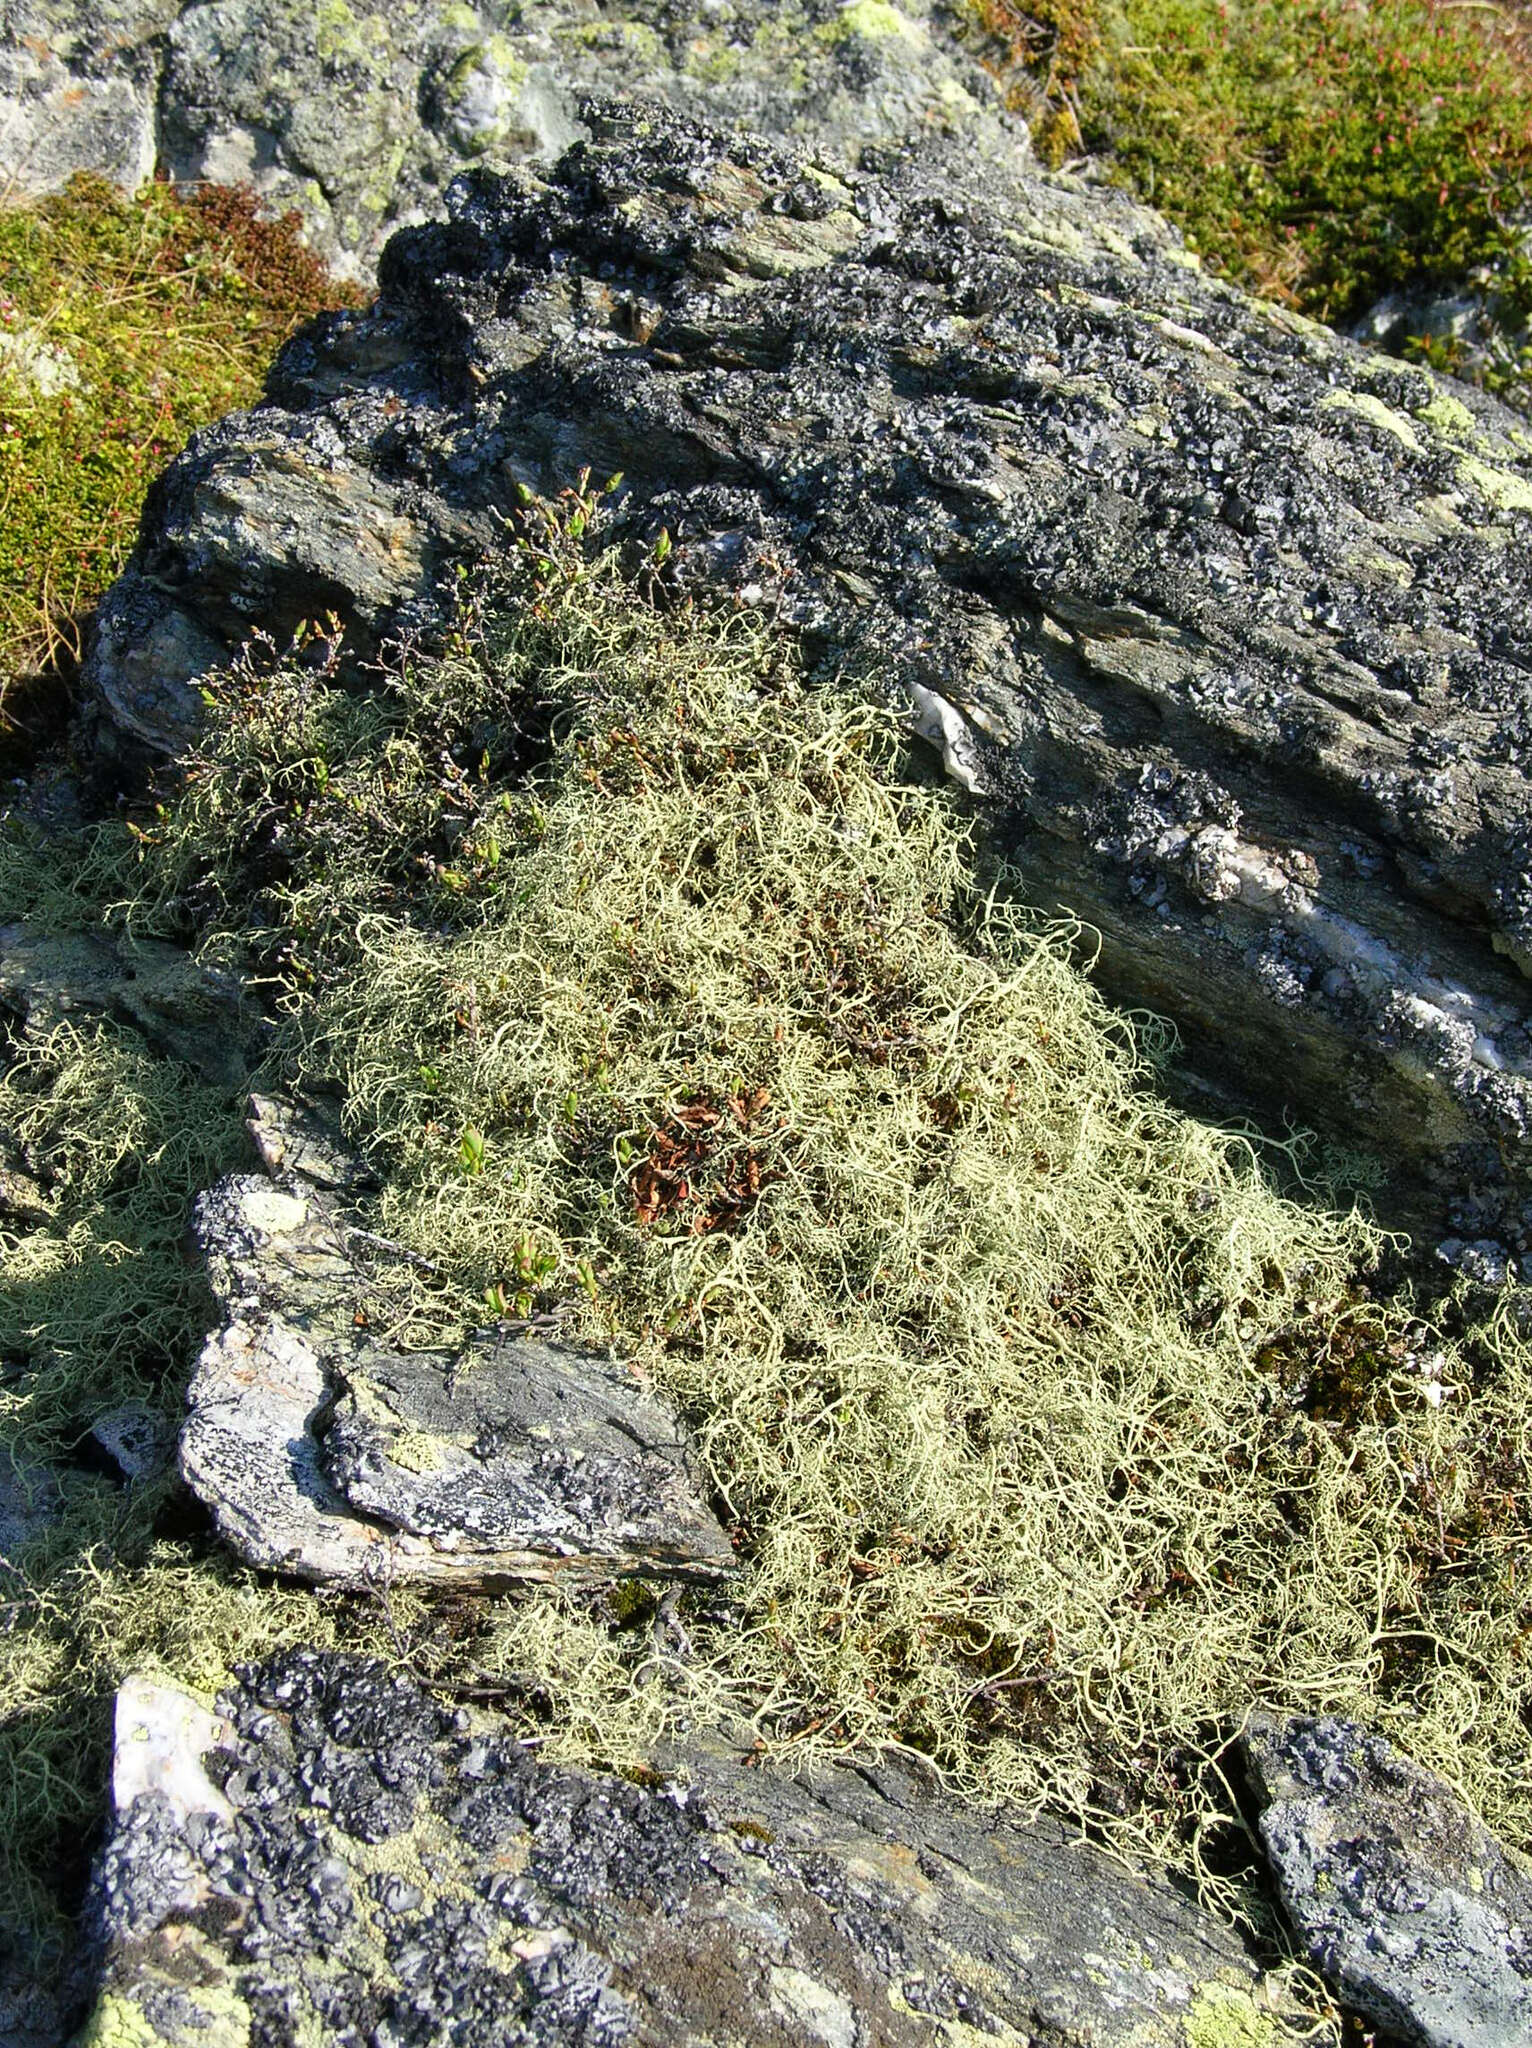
point(326, 1455)
point(358, 112)
point(1225, 618)
point(1407, 1906)
point(78, 91)
point(328, 1854)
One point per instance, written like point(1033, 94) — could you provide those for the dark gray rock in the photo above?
point(136, 1441)
point(526, 1445)
point(358, 112)
point(359, 1864)
point(331, 1458)
point(1406, 1905)
point(36, 2008)
point(1225, 618)
point(29, 1504)
point(296, 1143)
point(191, 1012)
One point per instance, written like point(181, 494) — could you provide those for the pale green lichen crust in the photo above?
point(1226, 2016)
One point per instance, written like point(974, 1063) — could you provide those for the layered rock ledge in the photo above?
point(328, 1853)
point(358, 112)
point(1224, 618)
point(326, 1454)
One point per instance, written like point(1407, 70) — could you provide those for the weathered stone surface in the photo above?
point(326, 1456)
point(357, 112)
point(367, 1866)
point(1226, 617)
point(1406, 1904)
point(78, 84)
point(135, 1441)
point(29, 1501)
point(1478, 318)
point(191, 1012)
point(293, 1142)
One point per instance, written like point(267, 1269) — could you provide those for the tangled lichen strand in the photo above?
point(99, 1295)
point(709, 1038)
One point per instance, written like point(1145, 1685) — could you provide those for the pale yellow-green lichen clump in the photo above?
point(670, 994)
point(720, 1037)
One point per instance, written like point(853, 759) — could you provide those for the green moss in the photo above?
point(1327, 152)
point(1323, 152)
point(1040, 49)
point(164, 311)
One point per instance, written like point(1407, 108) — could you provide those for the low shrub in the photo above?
point(1325, 152)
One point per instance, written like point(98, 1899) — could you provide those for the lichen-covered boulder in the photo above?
point(190, 1012)
point(1405, 1903)
point(357, 112)
point(327, 1854)
point(1224, 617)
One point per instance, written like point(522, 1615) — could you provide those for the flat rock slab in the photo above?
point(370, 1867)
point(1224, 618)
point(521, 1438)
point(325, 1456)
point(1408, 1907)
point(295, 1143)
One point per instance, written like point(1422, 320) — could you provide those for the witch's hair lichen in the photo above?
point(671, 994)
